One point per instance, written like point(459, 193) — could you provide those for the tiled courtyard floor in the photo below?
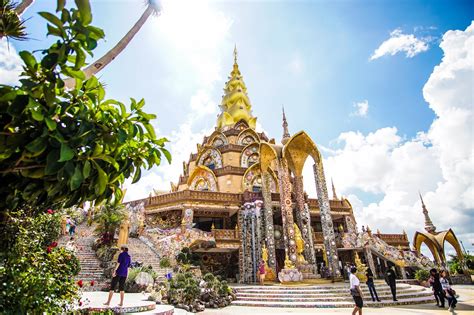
point(465, 307)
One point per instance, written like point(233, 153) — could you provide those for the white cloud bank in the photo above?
point(10, 63)
point(362, 108)
point(439, 162)
point(399, 42)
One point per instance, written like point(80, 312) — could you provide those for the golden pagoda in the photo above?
point(241, 197)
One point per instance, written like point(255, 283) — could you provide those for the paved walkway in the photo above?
point(465, 307)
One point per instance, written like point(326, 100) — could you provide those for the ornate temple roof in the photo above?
point(235, 105)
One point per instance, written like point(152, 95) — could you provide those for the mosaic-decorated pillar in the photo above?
point(326, 220)
point(268, 220)
point(370, 260)
point(187, 219)
point(286, 208)
point(250, 248)
point(304, 221)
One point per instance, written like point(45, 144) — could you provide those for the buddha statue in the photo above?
point(288, 263)
point(299, 245)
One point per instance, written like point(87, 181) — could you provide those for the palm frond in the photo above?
point(11, 26)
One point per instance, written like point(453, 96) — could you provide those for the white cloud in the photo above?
point(362, 108)
point(439, 162)
point(10, 63)
point(399, 42)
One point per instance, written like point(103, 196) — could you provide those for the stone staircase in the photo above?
point(140, 252)
point(90, 265)
point(327, 296)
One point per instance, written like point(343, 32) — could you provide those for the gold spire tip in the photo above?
point(235, 53)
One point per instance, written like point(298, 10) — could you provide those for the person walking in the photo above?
point(437, 288)
point(356, 292)
point(391, 280)
point(448, 291)
point(120, 275)
point(261, 272)
point(371, 285)
point(72, 227)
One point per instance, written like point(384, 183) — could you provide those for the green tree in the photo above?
point(59, 148)
point(62, 147)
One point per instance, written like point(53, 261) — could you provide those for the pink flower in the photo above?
point(80, 283)
point(80, 303)
point(50, 211)
point(48, 249)
point(92, 283)
point(53, 244)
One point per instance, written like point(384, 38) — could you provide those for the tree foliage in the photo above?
point(64, 147)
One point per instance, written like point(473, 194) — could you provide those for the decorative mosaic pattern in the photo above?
point(136, 213)
point(268, 221)
point(286, 208)
point(249, 156)
point(326, 220)
point(251, 245)
point(219, 141)
point(211, 158)
point(304, 221)
point(203, 181)
point(246, 138)
point(252, 180)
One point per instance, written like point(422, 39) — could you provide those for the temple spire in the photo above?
point(235, 54)
point(235, 105)
point(334, 195)
point(286, 134)
point(429, 227)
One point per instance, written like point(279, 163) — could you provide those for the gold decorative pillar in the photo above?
point(326, 220)
point(304, 221)
point(268, 220)
point(286, 208)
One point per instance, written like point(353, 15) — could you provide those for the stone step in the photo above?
point(333, 304)
point(326, 294)
point(309, 287)
point(346, 297)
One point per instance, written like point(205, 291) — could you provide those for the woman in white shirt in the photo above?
point(448, 291)
point(356, 292)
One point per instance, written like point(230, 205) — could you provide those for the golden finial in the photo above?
point(213, 227)
point(235, 53)
point(429, 226)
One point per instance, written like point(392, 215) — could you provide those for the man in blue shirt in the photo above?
point(120, 275)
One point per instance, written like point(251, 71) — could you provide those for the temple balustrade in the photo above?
point(394, 239)
point(225, 234)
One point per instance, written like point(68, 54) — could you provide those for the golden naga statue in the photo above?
point(299, 245)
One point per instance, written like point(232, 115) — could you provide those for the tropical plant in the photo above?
point(63, 147)
point(183, 289)
point(152, 8)
point(108, 220)
point(37, 275)
point(456, 266)
point(422, 275)
point(187, 257)
point(11, 26)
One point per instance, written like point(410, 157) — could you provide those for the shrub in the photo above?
point(165, 262)
point(187, 257)
point(422, 275)
point(36, 275)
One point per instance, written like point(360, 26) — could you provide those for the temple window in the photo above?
point(249, 156)
point(211, 158)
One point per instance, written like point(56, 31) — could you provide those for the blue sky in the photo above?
point(313, 57)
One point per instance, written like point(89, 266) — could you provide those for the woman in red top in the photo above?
point(261, 272)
